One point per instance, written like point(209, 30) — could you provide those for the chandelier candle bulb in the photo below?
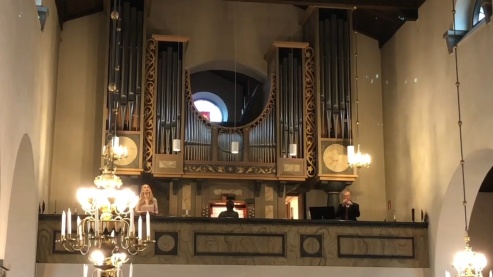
point(69, 222)
point(116, 142)
point(131, 273)
point(132, 227)
point(85, 270)
point(79, 228)
point(491, 274)
point(139, 225)
point(63, 223)
point(350, 154)
point(148, 225)
point(96, 222)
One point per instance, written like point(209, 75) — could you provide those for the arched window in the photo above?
point(209, 110)
point(482, 11)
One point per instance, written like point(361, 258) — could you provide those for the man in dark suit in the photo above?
point(347, 210)
point(230, 205)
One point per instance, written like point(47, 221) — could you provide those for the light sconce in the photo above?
point(293, 149)
point(176, 145)
point(235, 147)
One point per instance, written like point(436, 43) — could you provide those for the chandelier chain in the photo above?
point(356, 91)
point(459, 123)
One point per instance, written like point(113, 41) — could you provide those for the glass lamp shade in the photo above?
point(469, 263)
point(293, 149)
point(176, 145)
point(108, 181)
point(106, 200)
point(235, 147)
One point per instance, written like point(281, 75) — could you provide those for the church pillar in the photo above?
point(333, 189)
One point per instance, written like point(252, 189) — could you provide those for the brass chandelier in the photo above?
point(107, 232)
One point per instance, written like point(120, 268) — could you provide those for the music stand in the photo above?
point(323, 212)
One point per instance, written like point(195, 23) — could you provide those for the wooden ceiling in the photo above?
point(378, 19)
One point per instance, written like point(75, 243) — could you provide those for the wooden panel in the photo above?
point(291, 167)
point(168, 163)
point(228, 244)
point(375, 247)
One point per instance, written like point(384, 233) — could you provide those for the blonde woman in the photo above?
point(147, 202)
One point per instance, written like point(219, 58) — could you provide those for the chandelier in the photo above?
point(467, 263)
point(107, 232)
point(357, 159)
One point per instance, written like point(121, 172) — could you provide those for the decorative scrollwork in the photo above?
point(230, 169)
point(310, 141)
point(149, 115)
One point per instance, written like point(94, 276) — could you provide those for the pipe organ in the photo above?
point(300, 136)
point(124, 80)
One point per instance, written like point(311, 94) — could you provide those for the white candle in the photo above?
point(148, 224)
point(96, 222)
point(79, 228)
point(84, 273)
point(64, 218)
point(447, 274)
point(69, 222)
point(132, 227)
point(140, 227)
point(491, 274)
point(131, 270)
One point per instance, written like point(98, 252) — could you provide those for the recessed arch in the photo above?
point(22, 222)
point(449, 234)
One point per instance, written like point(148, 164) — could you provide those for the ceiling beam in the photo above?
point(345, 4)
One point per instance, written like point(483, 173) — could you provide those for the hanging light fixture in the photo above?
point(293, 149)
point(235, 145)
point(467, 263)
point(106, 233)
point(357, 159)
point(176, 145)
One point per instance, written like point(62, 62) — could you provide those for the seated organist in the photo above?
point(229, 210)
point(347, 210)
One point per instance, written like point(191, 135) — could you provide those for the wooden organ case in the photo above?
point(264, 143)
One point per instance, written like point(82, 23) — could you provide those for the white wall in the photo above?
point(28, 59)
point(369, 189)
point(211, 27)
point(79, 109)
point(421, 135)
